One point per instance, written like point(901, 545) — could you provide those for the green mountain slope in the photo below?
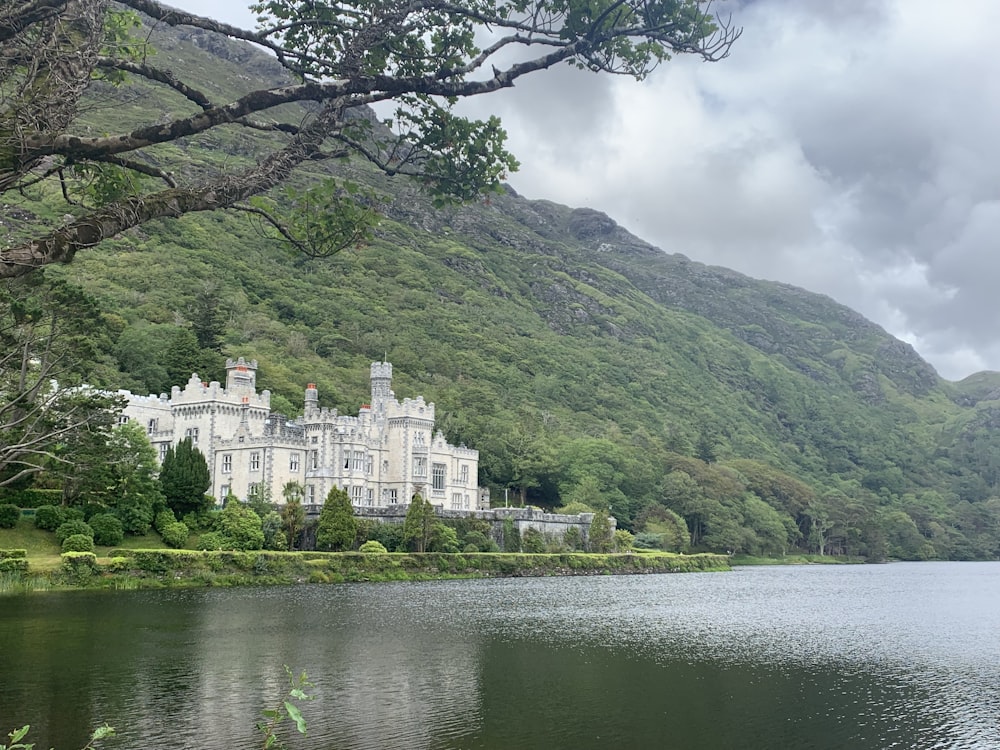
point(586, 365)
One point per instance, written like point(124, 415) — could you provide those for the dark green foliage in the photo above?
point(30, 497)
point(419, 524)
point(573, 539)
point(511, 536)
point(108, 530)
point(49, 517)
point(532, 541)
point(76, 526)
point(647, 540)
point(337, 528)
point(184, 478)
point(274, 537)
point(78, 543)
point(163, 519)
point(479, 541)
point(599, 538)
point(174, 534)
point(9, 516)
point(443, 539)
point(390, 535)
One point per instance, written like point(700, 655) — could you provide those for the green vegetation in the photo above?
point(708, 411)
point(337, 528)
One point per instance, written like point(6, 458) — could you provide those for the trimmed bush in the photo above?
point(13, 566)
point(211, 540)
point(92, 509)
point(49, 517)
point(175, 534)
point(108, 530)
point(78, 567)
point(9, 516)
point(73, 527)
point(371, 547)
point(73, 514)
point(78, 543)
point(13, 554)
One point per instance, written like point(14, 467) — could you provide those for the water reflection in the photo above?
point(860, 657)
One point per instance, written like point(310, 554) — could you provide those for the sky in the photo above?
point(850, 147)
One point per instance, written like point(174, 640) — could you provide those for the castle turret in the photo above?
point(312, 400)
point(241, 376)
point(381, 379)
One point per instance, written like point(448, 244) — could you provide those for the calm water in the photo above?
point(890, 656)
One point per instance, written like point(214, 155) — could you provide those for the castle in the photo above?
point(382, 457)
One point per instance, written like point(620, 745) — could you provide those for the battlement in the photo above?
point(411, 407)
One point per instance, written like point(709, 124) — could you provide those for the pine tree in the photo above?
point(184, 478)
point(337, 527)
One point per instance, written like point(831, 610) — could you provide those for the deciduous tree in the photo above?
point(422, 57)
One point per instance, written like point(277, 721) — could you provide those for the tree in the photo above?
point(240, 527)
point(184, 478)
point(422, 57)
point(337, 526)
point(599, 538)
point(50, 333)
point(419, 524)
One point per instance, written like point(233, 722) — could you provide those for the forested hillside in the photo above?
point(705, 408)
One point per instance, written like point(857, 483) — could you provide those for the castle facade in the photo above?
point(382, 457)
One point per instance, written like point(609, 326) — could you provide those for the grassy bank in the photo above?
point(795, 560)
point(160, 568)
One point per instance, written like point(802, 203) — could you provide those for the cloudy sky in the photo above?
point(851, 147)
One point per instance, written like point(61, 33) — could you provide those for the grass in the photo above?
point(796, 560)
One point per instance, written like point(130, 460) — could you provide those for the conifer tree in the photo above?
point(184, 478)
point(337, 527)
point(419, 524)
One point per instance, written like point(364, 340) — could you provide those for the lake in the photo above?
point(812, 657)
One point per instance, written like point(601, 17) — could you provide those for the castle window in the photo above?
point(227, 462)
point(253, 490)
point(437, 477)
point(151, 427)
point(314, 439)
point(357, 494)
point(192, 432)
point(122, 419)
point(420, 466)
point(163, 451)
point(311, 494)
point(293, 462)
point(456, 500)
point(369, 464)
point(358, 460)
point(224, 492)
point(255, 461)
point(370, 496)
point(418, 438)
point(467, 501)
point(314, 459)
point(385, 468)
point(464, 474)
point(393, 499)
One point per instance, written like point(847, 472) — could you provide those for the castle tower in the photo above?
point(381, 380)
point(241, 376)
point(312, 400)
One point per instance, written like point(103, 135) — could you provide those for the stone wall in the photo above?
point(551, 525)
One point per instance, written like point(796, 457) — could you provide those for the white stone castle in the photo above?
point(382, 457)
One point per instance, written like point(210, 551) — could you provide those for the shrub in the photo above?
point(470, 549)
point(79, 566)
point(76, 526)
point(443, 539)
point(73, 514)
point(92, 509)
point(174, 534)
point(647, 540)
point(624, 540)
point(9, 515)
point(371, 547)
point(49, 517)
point(477, 539)
point(78, 543)
point(163, 519)
point(532, 541)
point(573, 538)
point(108, 530)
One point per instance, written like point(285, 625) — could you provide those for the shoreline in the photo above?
point(132, 569)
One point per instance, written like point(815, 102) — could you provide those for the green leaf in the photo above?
point(296, 716)
point(102, 733)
